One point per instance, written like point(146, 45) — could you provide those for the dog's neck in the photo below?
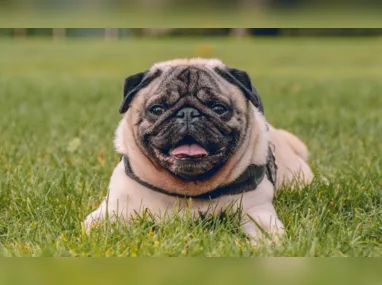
point(247, 181)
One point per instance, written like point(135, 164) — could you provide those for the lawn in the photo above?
point(59, 108)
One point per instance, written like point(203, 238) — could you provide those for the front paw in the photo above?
point(93, 220)
point(262, 228)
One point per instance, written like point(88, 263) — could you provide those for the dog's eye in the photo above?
point(157, 110)
point(219, 109)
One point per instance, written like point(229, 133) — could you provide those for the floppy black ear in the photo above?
point(241, 79)
point(132, 85)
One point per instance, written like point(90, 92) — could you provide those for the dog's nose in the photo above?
point(188, 114)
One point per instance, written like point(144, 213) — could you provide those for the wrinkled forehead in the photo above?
point(201, 82)
point(190, 79)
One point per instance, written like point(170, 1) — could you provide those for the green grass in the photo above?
point(59, 109)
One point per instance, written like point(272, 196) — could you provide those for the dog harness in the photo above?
point(247, 181)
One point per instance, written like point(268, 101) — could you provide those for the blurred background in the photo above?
point(190, 13)
point(124, 33)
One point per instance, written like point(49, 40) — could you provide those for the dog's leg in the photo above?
point(115, 205)
point(96, 217)
point(113, 208)
point(262, 223)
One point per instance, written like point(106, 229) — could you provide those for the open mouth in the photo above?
point(188, 148)
point(189, 159)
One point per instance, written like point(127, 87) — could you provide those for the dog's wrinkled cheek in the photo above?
point(144, 131)
point(210, 135)
point(165, 135)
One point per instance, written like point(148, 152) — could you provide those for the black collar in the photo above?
point(247, 181)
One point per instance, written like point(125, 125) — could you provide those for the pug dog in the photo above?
point(193, 137)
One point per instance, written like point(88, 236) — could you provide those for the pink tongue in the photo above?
point(189, 150)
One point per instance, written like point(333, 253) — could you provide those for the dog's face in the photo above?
point(190, 116)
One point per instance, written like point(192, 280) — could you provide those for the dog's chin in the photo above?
point(191, 168)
